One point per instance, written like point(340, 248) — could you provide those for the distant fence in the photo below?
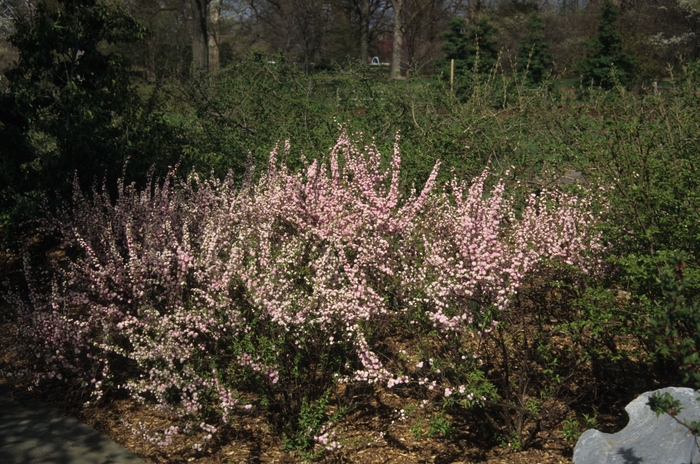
point(656, 88)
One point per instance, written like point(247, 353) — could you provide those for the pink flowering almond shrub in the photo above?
point(211, 300)
point(478, 251)
point(142, 306)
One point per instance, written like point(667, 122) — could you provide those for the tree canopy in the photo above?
point(69, 104)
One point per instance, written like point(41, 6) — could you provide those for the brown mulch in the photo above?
point(250, 441)
point(371, 433)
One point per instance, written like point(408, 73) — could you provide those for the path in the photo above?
point(32, 432)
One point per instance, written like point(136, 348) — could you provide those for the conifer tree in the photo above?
point(533, 52)
point(455, 46)
point(472, 47)
point(607, 64)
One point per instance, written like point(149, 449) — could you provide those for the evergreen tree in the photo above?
point(533, 52)
point(455, 46)
point(606, 63)
point(472, 47)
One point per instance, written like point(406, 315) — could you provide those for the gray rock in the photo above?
point(646, 439)
point(571, 177)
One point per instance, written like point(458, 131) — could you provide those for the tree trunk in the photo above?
point(364, 30)
point(398, 40)
point(205, 49)
point(214, 12)
point(200, 52)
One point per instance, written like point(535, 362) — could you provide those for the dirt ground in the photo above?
point(371, 433)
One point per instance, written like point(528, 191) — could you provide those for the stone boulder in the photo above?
point(647, 439)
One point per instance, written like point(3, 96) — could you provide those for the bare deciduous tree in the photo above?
point(205, 24)
point(417, 26)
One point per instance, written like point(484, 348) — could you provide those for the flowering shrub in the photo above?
point(208, 300)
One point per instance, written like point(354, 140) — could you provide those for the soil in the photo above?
point(371, 433)
point(249, 441)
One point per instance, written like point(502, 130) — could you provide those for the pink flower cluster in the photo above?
point(171, 280)
point(478, 251)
